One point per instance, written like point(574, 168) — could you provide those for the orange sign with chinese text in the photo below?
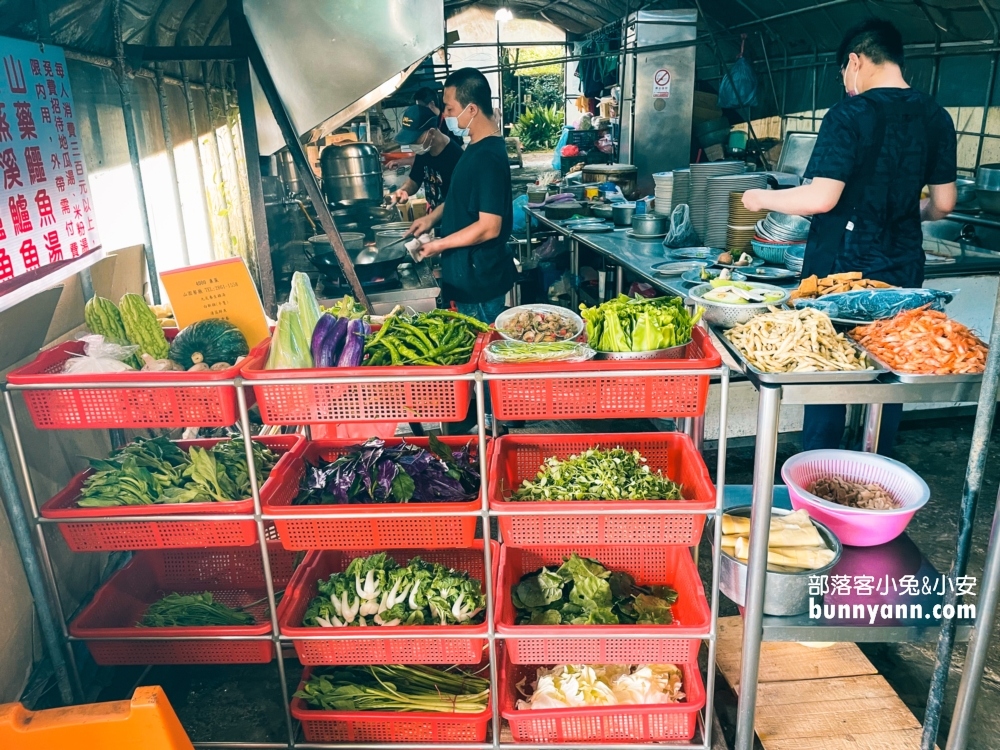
point(221, 289)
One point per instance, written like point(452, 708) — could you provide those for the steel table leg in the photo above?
point(768, 411)
point(619, 279)
point(574, 270)
point(873, 427)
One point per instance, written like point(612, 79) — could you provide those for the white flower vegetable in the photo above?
point(574, 686)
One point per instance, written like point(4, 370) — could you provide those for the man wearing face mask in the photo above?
point(476, 218)
point(435, 160)
point(875, 152)
point(427, 97)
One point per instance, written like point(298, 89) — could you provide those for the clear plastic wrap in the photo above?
point(682, 233)
point(99, 356)
point(519, 352)
point(291, 346)
point(876, 304)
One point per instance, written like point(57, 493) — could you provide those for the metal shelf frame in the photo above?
point(693, 426)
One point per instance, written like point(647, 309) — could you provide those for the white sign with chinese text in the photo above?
point(46, 214)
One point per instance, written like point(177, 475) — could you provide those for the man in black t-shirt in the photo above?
point(435, 160)
point(874, 153)
point(477, 216)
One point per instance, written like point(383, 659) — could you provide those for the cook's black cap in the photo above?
point(416, 120)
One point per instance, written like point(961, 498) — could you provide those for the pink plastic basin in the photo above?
point(856, 527)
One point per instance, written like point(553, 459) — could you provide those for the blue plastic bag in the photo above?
point(739, 86)
point(876, 304)
point(563, 140)
point(520, 217)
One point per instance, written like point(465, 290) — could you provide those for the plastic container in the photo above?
point(856, 527)
point(425, 644)
point(611, 724)
point(234, 576)
point(607, 644)
point(519, 457)
point(439, 400)
point(147, 721)
point(388, 726)
point(605, 396)
point(327, 529)
point(772, 252)
point(136, 407)
point(100, 536)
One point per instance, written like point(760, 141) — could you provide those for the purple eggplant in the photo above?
point(332, 343)
point(324, 325)
point(354, 347)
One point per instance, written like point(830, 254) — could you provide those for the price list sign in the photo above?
point(46, 211)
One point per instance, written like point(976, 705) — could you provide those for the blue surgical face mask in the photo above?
point(452, 123)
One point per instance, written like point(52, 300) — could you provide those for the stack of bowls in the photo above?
point(781, 239)
point(795, 257)
point(719, 190)
point(682, 188)
point(664, 192)
point(698, 198)
point(742, 223)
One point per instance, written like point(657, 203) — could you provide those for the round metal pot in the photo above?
point(352, 172)
point(354, 243)
point(785, 594)
point(390, 226)
point(988, 177)
point(386, 238)
point(989, 200)
point(602, 210)
point(649, 224)
point(966, 189)
point(621, 214)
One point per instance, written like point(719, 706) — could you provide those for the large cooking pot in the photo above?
point(354, 243)
point(352, 172)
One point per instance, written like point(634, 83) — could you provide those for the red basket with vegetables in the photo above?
point(138, 405)
point(652, 592)
point(107, 489)
point(440, 344)
point(668, 473)
point(342, 488)
point(605, 395)
point(427, 640)
point(218, 595)
point(639, 722)
point(430, 704)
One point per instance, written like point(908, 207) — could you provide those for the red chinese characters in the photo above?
point(29, 254)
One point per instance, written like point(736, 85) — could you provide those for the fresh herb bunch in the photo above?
point(404, 473)
point(638, 324)
point(583, 592)
point(191, 610)
point(376, 590)
point(393, 687)
point(438, 337)
point(155, 470)
point(595, 474)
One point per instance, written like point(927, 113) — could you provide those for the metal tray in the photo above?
point(909, 377)
point(801, 378)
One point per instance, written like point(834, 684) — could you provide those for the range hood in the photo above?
point(331, 61)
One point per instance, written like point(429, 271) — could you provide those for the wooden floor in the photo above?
point(830, 698)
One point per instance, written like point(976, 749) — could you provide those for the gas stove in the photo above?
point(385, 293)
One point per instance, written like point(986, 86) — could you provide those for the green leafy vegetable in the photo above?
point(191, 610)
point(291, 346)
point(396, 688)
point(638, 324)
point(595, 474)
point(583, 592)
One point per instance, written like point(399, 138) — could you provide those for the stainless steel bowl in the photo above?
point(622, 214)
point(989, 200)
point(602, 210)
point(726, 315)
point(785, 594)
point(966, 189)
point(988, 177)
point(673, 352)
point(649, 224)
point(354, 243)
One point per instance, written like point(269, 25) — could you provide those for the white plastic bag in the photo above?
point(682, 232)
point(99, 356)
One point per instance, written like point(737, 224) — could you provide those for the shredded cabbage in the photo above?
point(575, 686)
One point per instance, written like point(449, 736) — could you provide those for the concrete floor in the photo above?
point(218, 703)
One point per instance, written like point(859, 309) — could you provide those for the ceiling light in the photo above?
point(503, 14)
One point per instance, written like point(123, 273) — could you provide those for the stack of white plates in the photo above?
point(664, 191)
point(717, 203)
point(698, 199)
point(682, 187)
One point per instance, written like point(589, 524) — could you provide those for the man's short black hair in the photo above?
point(878, 40)
point(426, 95)
point(471, 87)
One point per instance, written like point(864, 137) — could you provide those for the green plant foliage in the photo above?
point(539, 128)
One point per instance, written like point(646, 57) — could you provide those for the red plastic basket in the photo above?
point(327, 529)
point(388, 726)
point(518, 457)
point(139, 534)
point(235, 577)
point(605, 396)
point(138, 407)
point(607, 644)
point(438, 400)
point(424, 645)
point(642, 723)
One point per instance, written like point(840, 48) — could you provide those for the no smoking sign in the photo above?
point(661, 84)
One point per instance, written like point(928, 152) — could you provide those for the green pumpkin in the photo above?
point(209, 341)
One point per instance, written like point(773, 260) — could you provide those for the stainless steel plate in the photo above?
point(694, 276)
point(755, 263)
point(766, 272)
point(590, 228)
point(802, 378)
point(631, 233)
point(694, 253)
point(909, 377)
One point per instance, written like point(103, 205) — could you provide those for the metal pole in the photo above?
point(768, 410)
point(306, 173)
point(619, 279)
point(21, 530)
point(196, 141)
point(975, 655)
point(168, 142)
point(574, 271)
point(873, 428)
point(213, 150)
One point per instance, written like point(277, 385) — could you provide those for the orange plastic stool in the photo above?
point(147, 721)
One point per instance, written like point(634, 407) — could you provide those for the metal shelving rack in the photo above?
point(484, 514)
